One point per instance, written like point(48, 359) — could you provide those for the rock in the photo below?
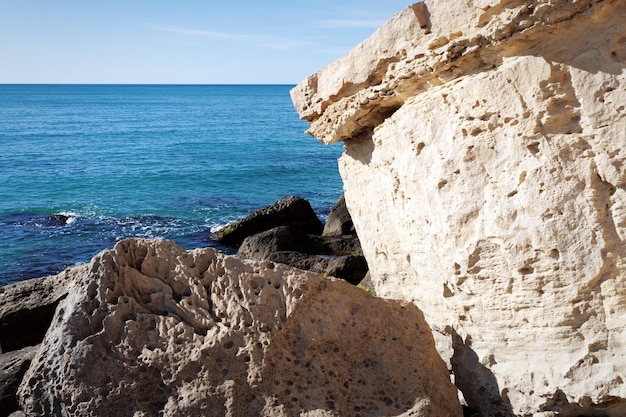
point(339, 221)
point(13, 365)
point(152, 329)
point(343, 245)
point(57, 220)
point(261, 245)
point(337, 256)
point(27, 307)
point(484, 169)
point(290, 211)
point(351, 268)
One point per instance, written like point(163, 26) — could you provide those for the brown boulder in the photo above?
point(153, 329)
point(337, 256)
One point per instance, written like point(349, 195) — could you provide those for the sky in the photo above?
point(180, 42)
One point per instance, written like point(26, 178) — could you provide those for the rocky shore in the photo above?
point(148, 328)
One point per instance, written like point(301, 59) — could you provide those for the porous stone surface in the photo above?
point(484, 169)
point(27, 307)
point(152, 329)
point(289, 211)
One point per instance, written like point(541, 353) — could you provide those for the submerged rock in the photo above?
point(152, 329)
point(485, 171)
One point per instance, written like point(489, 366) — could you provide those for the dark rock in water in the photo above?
point(291, 211)
point(338, 256)
point(27, 307)
point(350, 268)
point(339, 221)
point(343, 245)
point(261, 245)
point(13, 366)
point(57, 220)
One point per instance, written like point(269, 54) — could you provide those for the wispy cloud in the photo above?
point(351, 23)
point(267, 41)
point(213, 35)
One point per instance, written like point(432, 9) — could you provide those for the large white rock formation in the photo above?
point(485, 171)
point(151, 329)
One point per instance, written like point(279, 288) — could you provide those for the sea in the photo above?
point(84, 166)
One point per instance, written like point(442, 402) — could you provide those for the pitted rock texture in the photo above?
point(485, 171)
point(152, 329)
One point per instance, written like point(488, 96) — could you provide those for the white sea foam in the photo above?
point(70, 215)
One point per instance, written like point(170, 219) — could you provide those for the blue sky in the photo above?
point(180, 42)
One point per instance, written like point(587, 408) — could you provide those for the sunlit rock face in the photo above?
point(484, 169)
point(151, 329)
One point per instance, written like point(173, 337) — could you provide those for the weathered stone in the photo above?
point(27, 307)
point(152, 329)
point(339, 221)
point(485, 171)
point(290, 211)
point(13, 365)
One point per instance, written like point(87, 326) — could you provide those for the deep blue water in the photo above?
point(83, 166)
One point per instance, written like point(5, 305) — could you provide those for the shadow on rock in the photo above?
point(477, 383)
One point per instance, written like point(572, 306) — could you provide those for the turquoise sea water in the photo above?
point(82, 166)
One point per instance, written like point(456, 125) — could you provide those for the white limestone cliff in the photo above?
point(151, 329)
point(485, 171)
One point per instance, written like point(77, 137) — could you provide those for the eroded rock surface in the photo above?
point(484, 168)
point(152, 329)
